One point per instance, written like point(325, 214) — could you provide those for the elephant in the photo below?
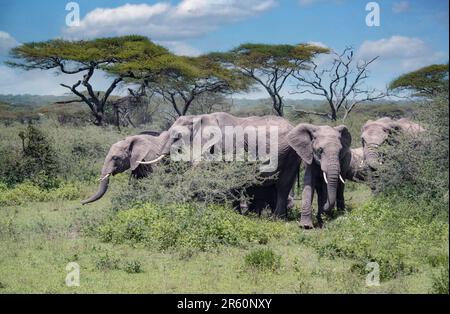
point(288, 160)
point(378, 132)
point(327, 157)
point(127, 154)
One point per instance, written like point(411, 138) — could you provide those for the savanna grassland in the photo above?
point(128, 242)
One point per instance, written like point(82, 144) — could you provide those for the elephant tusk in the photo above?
point(105, 177)
point(152, 161)
point(325, 178)
point(342, 179)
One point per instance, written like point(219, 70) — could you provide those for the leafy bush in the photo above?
point(262, 259)
point(387, 232)
point(36, 161)
point(30, 192)
point(105, 261)
point(417, 166)
point(440, 281)
point(187, 226)
point(178, 182)
point(133, 267)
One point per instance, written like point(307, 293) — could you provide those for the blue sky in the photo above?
point(411, 33)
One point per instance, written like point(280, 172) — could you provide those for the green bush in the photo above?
point(133, 267)
point(416, 167)
point(440, 283)
point(262, 259)
point(30, 192)
point(188, 226)
point(106, 261)
point(36, 160)
point(387, 232)
point(179, 182)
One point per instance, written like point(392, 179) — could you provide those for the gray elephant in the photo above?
point(325, 150)
point(127, 154)
point(288, 161)
point(378, 132)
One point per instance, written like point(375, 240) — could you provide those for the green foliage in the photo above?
point(30, 192)
point(428, 81)
point(266, 56)
point(262, 259)
point(46, 55)
point(133, 267)
point(187, 226)
point(106, 261)
point(207, 183)
point(36, 161)
point(440, 281)
point(416, 167)
point(388, 232)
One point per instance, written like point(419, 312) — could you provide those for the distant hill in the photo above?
point(27, 100)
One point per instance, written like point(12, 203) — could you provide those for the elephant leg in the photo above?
point(286, 181)
point(321, 190)
point(283, 189)
point(307, 198)
point(340, 201)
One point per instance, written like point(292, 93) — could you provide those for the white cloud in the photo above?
point(181, 48)
point(6, 43)
point(318, 44)
point(410, 53)
point(400, 6)
point(163, 21)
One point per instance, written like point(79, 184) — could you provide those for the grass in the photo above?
point(37, 240)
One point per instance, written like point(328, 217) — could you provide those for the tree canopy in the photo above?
point(428, 81)
point(269, 65)
point(179, 79)
point(86, 56)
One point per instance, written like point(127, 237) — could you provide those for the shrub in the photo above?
point(178, 182)
point(416, 167)
point(105, 261)
point(187, 226)
point(262, 259)
point(387, 232)
point(440, 283)
point(30, 192)
point(36, 161)
point(133, 267)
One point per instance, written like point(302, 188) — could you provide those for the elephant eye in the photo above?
point(115, 157)
point(320, 151)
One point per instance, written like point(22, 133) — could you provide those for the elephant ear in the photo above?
point(346, 137)
point(139, 148)
point(300, 139)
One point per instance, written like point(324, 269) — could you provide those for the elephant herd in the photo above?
point(325, 152)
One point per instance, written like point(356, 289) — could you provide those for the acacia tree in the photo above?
point(341, 84)
point(86, 57)
point(428, 81)
point(270, 66)
point(180, 80)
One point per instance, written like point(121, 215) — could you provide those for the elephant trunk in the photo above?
point(101, 191)
point(372, 157)
point(332, 175)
